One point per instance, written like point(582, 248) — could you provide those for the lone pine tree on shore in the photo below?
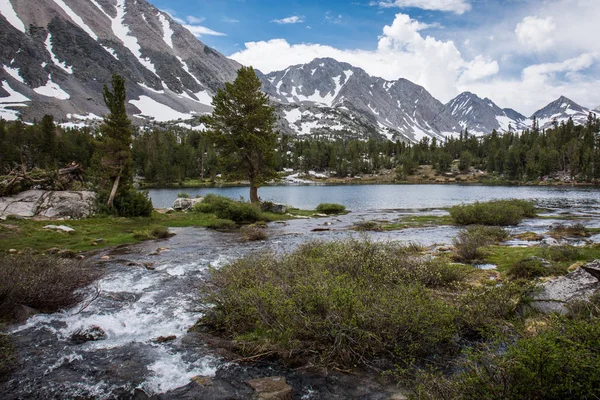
point(242, 128)
point(117, 136)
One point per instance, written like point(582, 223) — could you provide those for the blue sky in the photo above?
point(520, 53)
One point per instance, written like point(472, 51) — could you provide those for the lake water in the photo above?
point(393, 197)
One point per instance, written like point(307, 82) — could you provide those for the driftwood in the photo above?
point(19, 180)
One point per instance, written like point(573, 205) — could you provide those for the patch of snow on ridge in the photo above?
point(159, 112)
point(293, 116)
point(14, 72)
point(186, 68)
point(68, 69)
point(167, 31)
point(11, 16)
point(76, 18)
point(51, 89)
point(121, 31)
point(13, 95)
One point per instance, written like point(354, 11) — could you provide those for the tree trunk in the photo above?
point(253, 194)
point(113, 192)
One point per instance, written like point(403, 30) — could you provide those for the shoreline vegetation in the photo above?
point(316, 305)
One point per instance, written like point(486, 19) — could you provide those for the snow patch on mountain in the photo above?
point(51, 89)
point(76, 18)
point(121, 31)
point(6, 9)
point(68, 69)
point(14, 99)
point(167, 31)
point(150, 108)
point(15, 73)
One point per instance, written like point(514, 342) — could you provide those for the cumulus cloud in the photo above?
point(455, 6)
point(294, 19)
point(402, 51)
point(536, 33)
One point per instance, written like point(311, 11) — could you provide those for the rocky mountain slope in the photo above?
point(393, 109)
point(57, 54)
point(561, 110)
point(481, 116)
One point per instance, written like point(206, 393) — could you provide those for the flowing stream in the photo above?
point(135, 305)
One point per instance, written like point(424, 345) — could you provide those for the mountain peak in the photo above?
point(560, 109)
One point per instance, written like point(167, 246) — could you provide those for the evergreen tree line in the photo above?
point(171, 155)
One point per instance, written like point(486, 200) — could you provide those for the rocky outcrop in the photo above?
point(580, 284)
point(271, 388)
point(183, 204)
point(91, 334)
point(46, 204)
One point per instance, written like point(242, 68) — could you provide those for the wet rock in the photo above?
point(320, 230)
point(91, 334)
point(165, 339)
point(271, 388)
point(182, 204)
point(580, 284)
point(275, 208)
point(550, 242)
point(105, 258)
point(543, 262)
point(12, 251)
point(22, 313)
point(321, 215)
point(202, 380)
point(60, 228)
point(529, 236)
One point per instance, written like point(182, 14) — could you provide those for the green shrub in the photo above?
point(367, 226)
point(560, 362)
point(560, 230)
point(331, 208)
point(131, 203)
point(468, 242)
point(221, 224)
point(497, 212)
point(343, 302)
point(8, 356)
point(160, 232)
point(562, 253)
point(226, 208)
point(528, 269)
point(45, 283)
point(183, 195)
point(253, 232)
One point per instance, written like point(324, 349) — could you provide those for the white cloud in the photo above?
point(536, 33)
point(198, 31)
point(402, 51)
point(195, 20)
point(231, 20)
point(455, 6)
point(294, 19)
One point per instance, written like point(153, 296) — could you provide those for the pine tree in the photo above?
point(116, 140)
point(48, 141)
point(242, 128)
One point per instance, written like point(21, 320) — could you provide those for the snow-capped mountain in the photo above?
point(561, 110)
point(56, 56)
point(394, 109)
point(482, 116)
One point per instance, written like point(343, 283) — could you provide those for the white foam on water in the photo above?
point(171, 371)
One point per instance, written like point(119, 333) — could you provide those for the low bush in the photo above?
point(331, 208)
point(562, 253)
point(183, 195)
point(494, 213)
point(468, 242)
point(45, 283)
point(560, 230)
point(8, 356)
point(528, 269)
point(128, 204)
point(221, 224)
point(253, 232)
point(226, 208)
point(345, 303)
point(367, 226)
point(560, 362)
